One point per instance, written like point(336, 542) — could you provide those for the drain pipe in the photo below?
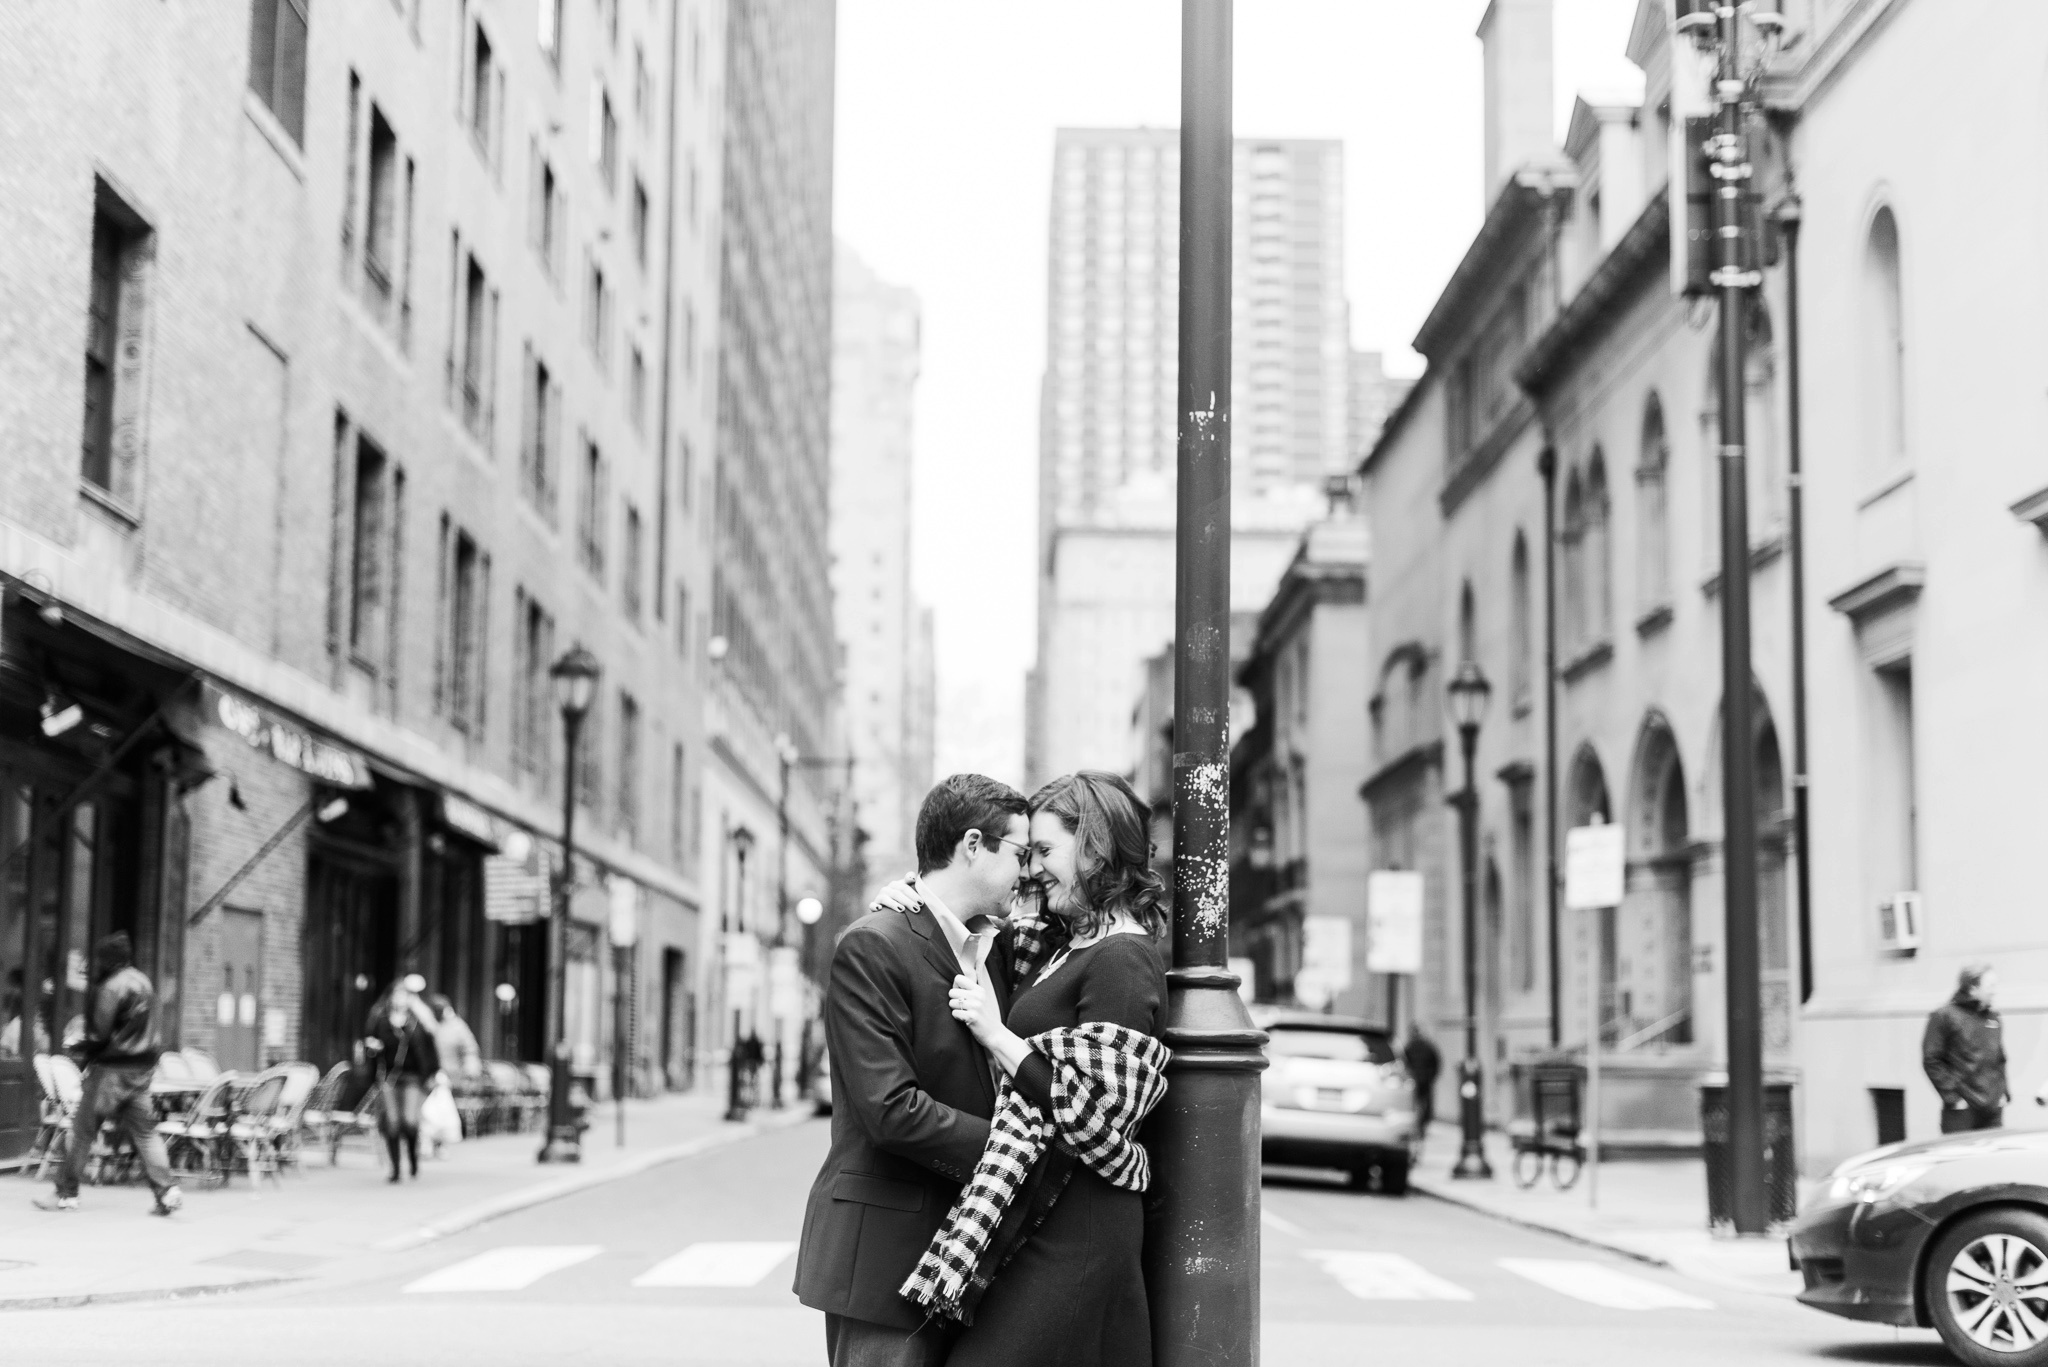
point(1788, 218)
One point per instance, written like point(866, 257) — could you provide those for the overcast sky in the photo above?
point(946, 112)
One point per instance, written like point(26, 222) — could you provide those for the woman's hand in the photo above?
point(898, 896)
point(974, 1006)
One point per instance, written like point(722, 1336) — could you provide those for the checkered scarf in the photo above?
point(1105, 1080)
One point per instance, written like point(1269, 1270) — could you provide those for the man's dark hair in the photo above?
point(114, 951)
point(958, 804)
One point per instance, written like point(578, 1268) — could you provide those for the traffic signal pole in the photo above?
point(1202, 1228)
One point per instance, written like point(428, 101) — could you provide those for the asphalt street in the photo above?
point(690, 1263)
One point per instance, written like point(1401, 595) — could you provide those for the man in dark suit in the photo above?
point(912, 1089)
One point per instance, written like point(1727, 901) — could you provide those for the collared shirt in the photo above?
point(970, 946)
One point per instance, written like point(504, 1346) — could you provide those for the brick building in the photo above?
point(357, 361)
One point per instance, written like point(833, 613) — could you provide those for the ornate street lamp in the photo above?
point(1469, 692)
point(575, 680)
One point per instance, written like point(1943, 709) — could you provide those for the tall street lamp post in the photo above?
point(1469, 692)
point(1202, 1227)
point(1722, 29)
point(575, 681)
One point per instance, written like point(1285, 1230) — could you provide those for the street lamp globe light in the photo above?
point(575, 679)
point(1469, 694)
point(809, 910)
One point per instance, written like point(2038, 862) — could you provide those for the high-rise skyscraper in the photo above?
point(1108, 426)
point(883, 632)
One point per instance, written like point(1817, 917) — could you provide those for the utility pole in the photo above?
point(1735, 275)
point(1202, 1234)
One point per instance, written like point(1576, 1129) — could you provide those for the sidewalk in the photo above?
point(319, 1218)
point(1654, 1210)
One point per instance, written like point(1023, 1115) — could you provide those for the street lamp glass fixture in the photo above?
point(810, 910)
point(1469, 693)
point(575, 676)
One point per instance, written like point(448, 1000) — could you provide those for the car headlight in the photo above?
point(1872, 1184)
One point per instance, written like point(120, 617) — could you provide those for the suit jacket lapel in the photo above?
point(938, 952)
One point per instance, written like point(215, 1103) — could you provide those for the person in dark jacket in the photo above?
point(912, 1090)
point(1423, 1063)
point(403, 1053)
point(120, 1053)
point(1963, 1052)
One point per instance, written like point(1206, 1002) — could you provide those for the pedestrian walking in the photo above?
point(456, 1042)
point(912, 1089)
point(406, 1063)
point(1963, 1052)
point(1424, 1063)
point(120, 1053)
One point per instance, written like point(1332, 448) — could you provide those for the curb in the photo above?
point(524, 1198)
point(1540, 1227)
point(76, 1299)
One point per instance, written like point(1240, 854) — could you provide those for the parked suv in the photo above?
point(1334, 1096)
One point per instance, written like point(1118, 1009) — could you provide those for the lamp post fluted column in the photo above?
point(1469, 691)
point(575, 679)
point(1202, 1227)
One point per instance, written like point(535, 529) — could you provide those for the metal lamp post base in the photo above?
point(1472, 1122)
point(565, 1133)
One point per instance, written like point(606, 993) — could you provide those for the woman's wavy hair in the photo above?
point(1112, 829)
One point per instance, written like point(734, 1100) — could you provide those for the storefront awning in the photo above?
point(287, 741)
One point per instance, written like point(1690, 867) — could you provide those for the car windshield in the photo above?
point(1345, 1046)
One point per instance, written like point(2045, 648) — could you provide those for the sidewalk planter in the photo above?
point(1781, 1162)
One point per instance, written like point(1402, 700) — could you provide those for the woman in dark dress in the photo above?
point(1069, 1285)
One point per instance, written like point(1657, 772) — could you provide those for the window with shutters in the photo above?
point(640, 222)
point(590, 518)
point(376, 532)
point(597, 312)
point(381, 222)
point(605, 145)
point(482, 81)
point(478, 325)
point(548, 211)
point(533, 724)
point(466, 573)
point(590, 757)
point(628, 799)
point(629, 567)
point(636, 391)
point(277, 61)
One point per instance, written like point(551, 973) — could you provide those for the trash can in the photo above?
point(1781, 1162)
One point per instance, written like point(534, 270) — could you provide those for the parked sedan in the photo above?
point(1950, 1233)
point(1333, 1096)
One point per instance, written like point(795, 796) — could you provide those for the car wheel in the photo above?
point(1986, 1289)
point(1394, 1176)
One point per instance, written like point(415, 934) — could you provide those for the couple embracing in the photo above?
point(994, 1027)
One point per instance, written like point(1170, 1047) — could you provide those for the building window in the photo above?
point(590, 511)
point(636, 391)
point(1571, 554)
point(590, 757)
point(629, 767)
point(1468, 626)
point(377, 532)
point(547, 213)
point(1894, 832)
point(683, 622)
point(640, 224)
point(1522, 876)
point(597, 313)
point(1653, 518)
point(480, 91)
point(115, 347)
point(1522, 661)
point(277, 61)
point(604, 139)
point(542, 434)
point(479, 327)
point(678, 797)
point(629, 569)
point(1595, 552)
point(465, 610)
point(1884, 331)
point(532, 703)
point(380, 231)
point(550, 24)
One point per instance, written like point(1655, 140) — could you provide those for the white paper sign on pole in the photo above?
point(1595, 864)
point(1326, 948)
point(1393, 921)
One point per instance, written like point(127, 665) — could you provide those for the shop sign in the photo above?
point(332, 764)
point(516, 887)
point(624, 924)
point(464, 817)
point(1393, 921)
point(591, 904)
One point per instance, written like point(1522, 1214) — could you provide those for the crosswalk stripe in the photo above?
point(1600, 1285)
point(1385, 1276)
point(736, 1264)
point(1279, 1221)
point(511, 1268)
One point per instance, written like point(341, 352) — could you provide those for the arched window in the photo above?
point(1597, 548)
point(1653, 512)
point(1571, 552)
point(1522, 667)
point(1884, 331)
point(1468, 627)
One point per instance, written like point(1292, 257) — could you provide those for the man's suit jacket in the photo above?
point(911, 1099)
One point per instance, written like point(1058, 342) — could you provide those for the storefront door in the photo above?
point(238, 1003)
point(351, 951)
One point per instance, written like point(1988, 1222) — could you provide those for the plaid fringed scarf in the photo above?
point(1106, 1079)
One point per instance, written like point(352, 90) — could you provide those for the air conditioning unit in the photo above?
point(1898, 922)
